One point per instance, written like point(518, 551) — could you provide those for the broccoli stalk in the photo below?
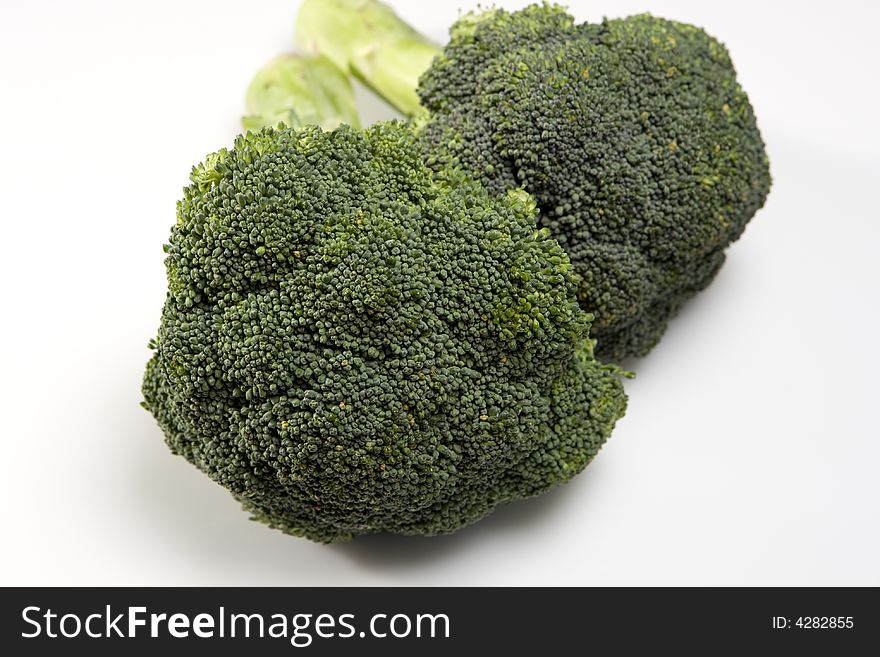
point(300, 90)
point(371, 42)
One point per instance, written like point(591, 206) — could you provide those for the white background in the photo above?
point(750, 453)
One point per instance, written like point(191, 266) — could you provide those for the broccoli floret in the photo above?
point(354, 343)
point(633, 135)
point(367, 39)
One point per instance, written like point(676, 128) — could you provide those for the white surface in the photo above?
point(749, 454)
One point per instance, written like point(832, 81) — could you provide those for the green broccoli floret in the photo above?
point(354, 343)
point(633, 135)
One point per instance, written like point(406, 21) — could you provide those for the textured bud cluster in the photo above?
point(353, 342)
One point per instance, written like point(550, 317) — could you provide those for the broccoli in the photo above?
point(353, 342)
point(633, 135)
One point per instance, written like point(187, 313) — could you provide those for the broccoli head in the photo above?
point(354, 343)
point(300, 90)
point(634, 137)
